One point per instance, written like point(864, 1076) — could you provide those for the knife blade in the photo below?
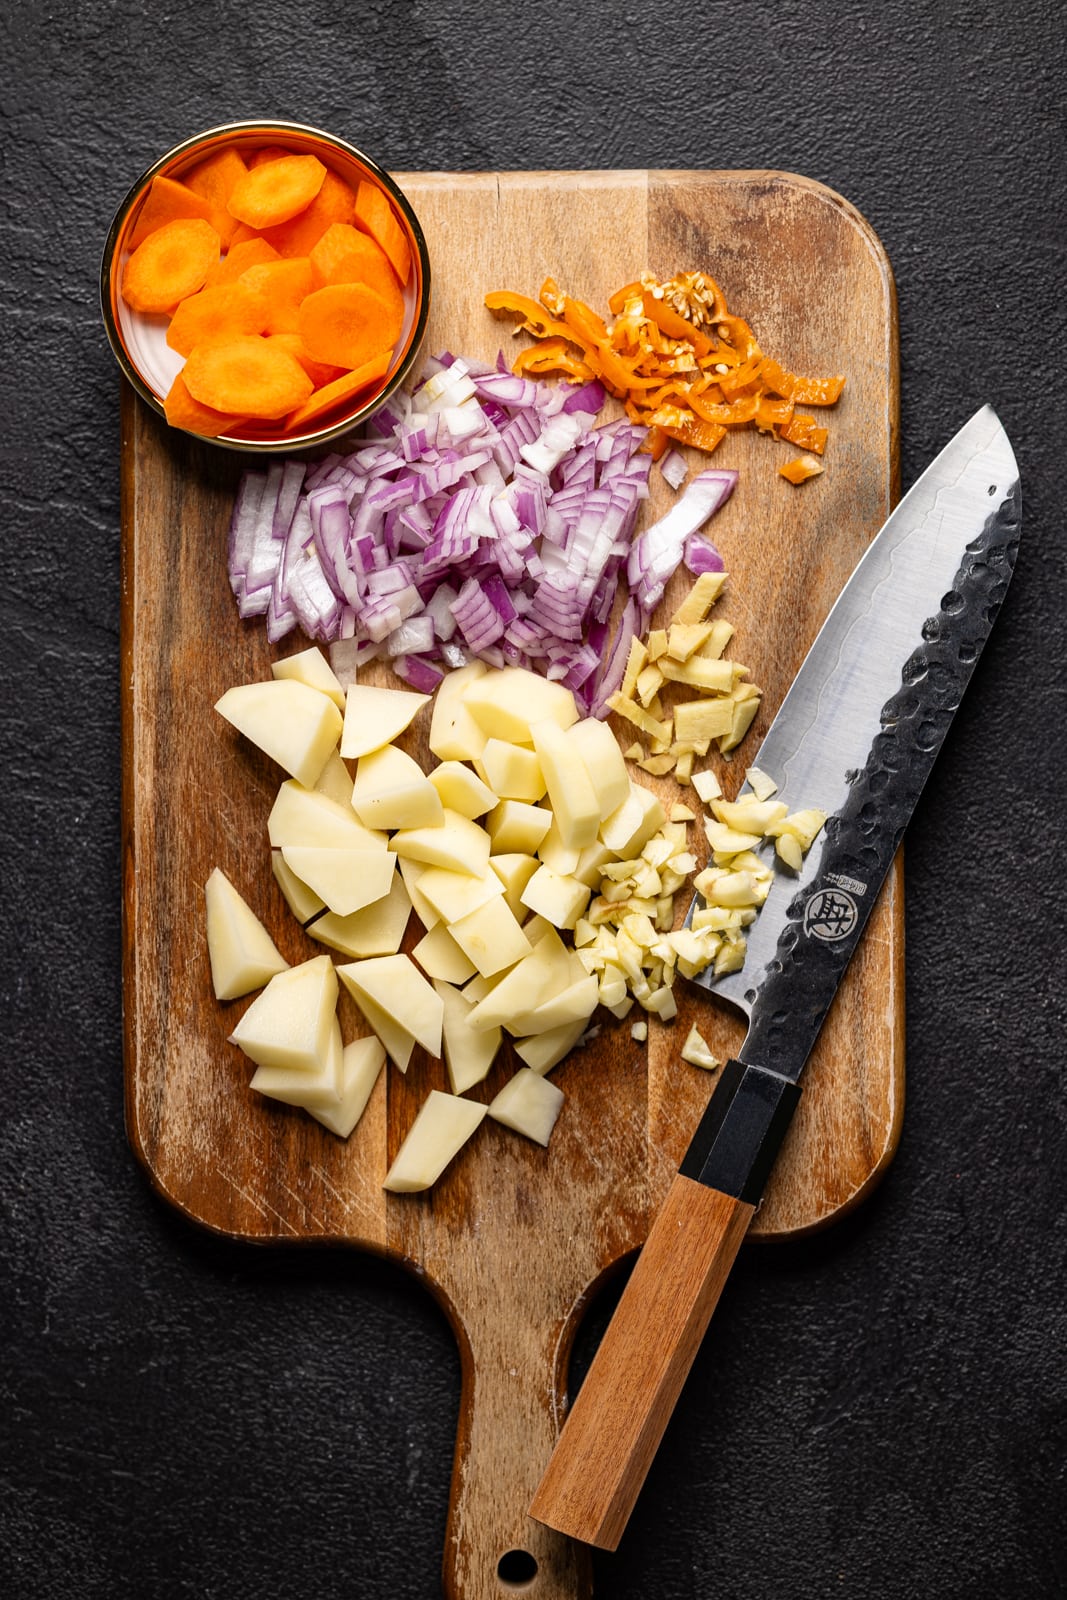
point(856, 737)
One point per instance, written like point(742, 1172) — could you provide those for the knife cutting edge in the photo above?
point(856, 737)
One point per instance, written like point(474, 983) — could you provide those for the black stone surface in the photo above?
point(878, 1413)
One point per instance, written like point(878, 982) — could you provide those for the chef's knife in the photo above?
point(856, 737)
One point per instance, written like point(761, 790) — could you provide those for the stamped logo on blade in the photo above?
point(830, 914)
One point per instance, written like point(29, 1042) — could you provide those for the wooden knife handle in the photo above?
point(613, 1430)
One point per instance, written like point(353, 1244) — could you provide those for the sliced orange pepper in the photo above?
point(801, 469)
point(679, 380)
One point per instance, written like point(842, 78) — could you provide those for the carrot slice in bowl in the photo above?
point(182, 411)
point(276, 191)
point(229, 311)
point(171, 264)
point(249, 377)
point(170, 201)
point(342, 389)
point(284, 284)
point(347, 324)
point(375, 216)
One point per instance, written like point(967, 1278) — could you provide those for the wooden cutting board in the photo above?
point(513, 1239)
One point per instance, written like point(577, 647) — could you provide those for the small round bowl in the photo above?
point(139, 340)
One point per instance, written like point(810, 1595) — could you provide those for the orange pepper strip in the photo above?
point(674, 326)
point(630, 291)
point(534, 318)
point(552, 355)
point(801, 469)
point(702, 435)
point(772, 414)
point(735, 414)
point(818, 391)
point(806, 434)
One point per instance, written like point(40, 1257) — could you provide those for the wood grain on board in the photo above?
point(513, 1238)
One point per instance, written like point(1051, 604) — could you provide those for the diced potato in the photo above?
point(519, 992)
point(361, 1062)
point(296, 726)
point(543, 1051)
point(397, 1042)
point(396, 986)
point(604, 761)
point(459, 844)
point(347, 880)
point(303, 902)
point(311, 667)
point(529, 1104)
point(577, 1000)
point(392, 791)
point(469, 1052)
point(634, 823)
point(375, 930)
point(455, 894)
point(296, 1086)
point(242, 953)
point(462, 790)
point(302, 816)
point(592, 861)
point(639, 1032)
point(506, 704)
point(514, 871)
point(560, 900)
point(680, 813)
point(412, 873)
point(491, 937)
point(288, 1025)
point(444, 1124)
point(374, 717)
point(554, 853)
point(454, 734)
point(514, 826)
point(573, 798)
point(335, 780)
point(512, 772)
point(440, 957)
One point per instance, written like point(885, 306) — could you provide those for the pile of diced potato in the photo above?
point(542, 874)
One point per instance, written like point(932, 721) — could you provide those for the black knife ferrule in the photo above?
point(738, 1136)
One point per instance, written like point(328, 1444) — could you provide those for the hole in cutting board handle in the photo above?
point(516, 1569)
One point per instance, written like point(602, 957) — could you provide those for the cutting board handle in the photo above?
point(511, 1407)
point(622, 1408)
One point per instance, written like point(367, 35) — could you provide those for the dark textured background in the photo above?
point(880, 1413)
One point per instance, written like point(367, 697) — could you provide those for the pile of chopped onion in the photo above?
point(490, 519)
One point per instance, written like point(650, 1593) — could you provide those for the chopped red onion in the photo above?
point(485, 517)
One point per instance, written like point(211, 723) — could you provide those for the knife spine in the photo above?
point(738, 1137)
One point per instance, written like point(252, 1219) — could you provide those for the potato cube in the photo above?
point(296, 726)
point(444, 1124)
point(242, 953)
point(361, 1062)
point(296, 1086)
point(459, 844)
point(469, 1052)
point(529, 1104)
point(311, 667)
point(288, 1025)
point(514, 826)
point(561, 900)
point(462, 790)
point(570, 788)
point(454, 734)
point(491, 937)
point(392, 791)
point(512, 772)
point(375, 717)
point(507, 703)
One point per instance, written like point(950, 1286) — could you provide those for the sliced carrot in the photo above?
point(344, 255)
point(239, 257)
point(801, 469)
point(268, 152)
point(229, 311)
point(375, 215)
point(343, 388)
point(284, 284)
point(184, 412)
point(276, 191)
point(169, 201)
point(320, 372)
point(335, 202)
point(347, 324)
point(249, 377)
point(214, 178)
point(172, 263)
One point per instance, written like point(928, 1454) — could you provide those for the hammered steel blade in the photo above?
point(858, 732)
